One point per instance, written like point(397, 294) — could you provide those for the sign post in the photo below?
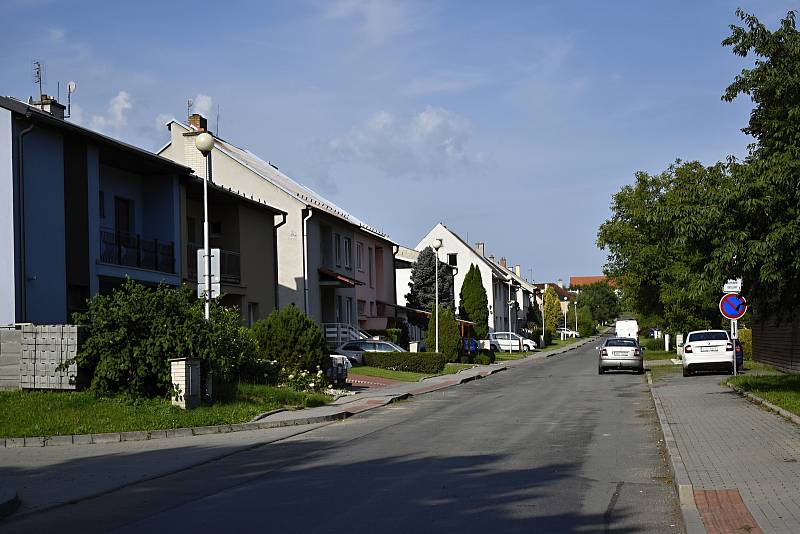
point(733, 306)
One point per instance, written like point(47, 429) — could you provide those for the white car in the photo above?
point(511, 341)
point(707, 350)
point(354, 350)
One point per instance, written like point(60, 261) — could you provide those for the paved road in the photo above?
point(549, 446)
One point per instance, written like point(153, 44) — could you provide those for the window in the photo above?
point(348, 246)
point(362, 308)
point(123, 215)
point(348, 311)
point(352, 346)
point(102, 205)
point(372, 308)
point(708, 336)
point(452, 259)
point(360, 256)
point(371, 260)
point(216, 228)
point(337, 249)
point(252, 313)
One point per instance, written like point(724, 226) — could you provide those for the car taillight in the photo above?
point(729, 346)
point(687, 348)
point(604, 352)
point(637, 352)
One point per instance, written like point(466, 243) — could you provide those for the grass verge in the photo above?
point(510, 356)
point(405, 376)
point(453, 368)
point(659, 372)
point(558, 343)
point(53, 413)
point(659, 355)
point(781, 390)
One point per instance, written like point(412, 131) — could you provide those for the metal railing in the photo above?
point(230, 264)
point(338, 333)
point(123, 248)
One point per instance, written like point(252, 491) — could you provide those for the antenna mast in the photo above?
point(216, 130)
point(71, 86)
point(37, 77)
point(189, 105)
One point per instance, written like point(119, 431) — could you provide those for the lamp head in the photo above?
point(437, 244)
point(204, 142)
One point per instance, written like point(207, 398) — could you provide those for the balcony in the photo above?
point(230, 264)
point(131, 250)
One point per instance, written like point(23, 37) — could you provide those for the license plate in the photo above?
point(620, 353)
point(708, 349)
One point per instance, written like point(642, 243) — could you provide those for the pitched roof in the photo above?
point(495, 268)
point(560, 291)
point(576, 281)
point(302, 193)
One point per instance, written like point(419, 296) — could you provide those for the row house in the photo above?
point(82, 212)
point(333, 266)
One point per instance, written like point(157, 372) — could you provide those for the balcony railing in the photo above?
point(230, 264)
point(131, 250)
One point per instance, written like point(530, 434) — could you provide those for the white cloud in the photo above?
point(162, 119)
point(115, 119)
point(56, 34)
point(430, 144)
point(379, 20)
point(203, 105)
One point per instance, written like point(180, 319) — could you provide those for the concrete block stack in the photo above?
point(10, 356)
point(44, 349)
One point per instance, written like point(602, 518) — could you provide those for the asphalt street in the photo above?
point(549, 446)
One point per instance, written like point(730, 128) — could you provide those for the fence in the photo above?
point(31, 354)
point(777, 343)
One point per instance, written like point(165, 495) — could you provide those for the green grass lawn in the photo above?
point(557, 343)
point(510, 356)
point(52, 413)
point(453, 368)
point(780, 389)
point(406, 376)
point(659, 355)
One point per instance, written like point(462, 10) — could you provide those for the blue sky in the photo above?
point(511, 122)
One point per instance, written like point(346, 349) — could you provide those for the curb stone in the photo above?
point(9, 501)
point(755, 399)
point(680, 477)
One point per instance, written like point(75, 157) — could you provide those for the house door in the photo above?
point(123, 215)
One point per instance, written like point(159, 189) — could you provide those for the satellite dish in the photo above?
point(71, 86)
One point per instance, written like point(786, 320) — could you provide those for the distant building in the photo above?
point(578, 281)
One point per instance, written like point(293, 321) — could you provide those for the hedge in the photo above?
point(418, 362)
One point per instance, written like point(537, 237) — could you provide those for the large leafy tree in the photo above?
point(601, 300)
point(474, 302)
point(422, 294)
point(552, 309)
point(762, 233)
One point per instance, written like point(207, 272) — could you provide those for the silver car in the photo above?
point(620, 353)
point(354, 350)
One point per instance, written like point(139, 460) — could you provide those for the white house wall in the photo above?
point(8, 273)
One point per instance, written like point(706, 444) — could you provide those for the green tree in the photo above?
point(422, 285)
point(552, 309)
point(449, 335)
point(474, 302)
point(586, 323)
point(293, 339)
point(602, 301)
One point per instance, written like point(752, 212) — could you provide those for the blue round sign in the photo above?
point(733, 306)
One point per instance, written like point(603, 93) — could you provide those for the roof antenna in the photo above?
point(71, 86)
point(189, 105)
point(216, 130)
point(37, 78)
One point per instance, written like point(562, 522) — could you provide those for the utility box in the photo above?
point(186, 381)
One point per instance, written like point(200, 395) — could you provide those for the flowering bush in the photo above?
point(302, 380)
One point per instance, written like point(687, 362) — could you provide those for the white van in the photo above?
point(627, 327)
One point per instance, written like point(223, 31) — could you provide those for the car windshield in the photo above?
point(619, 342)
point(708, 336)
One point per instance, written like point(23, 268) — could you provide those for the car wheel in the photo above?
point(640, 370)
point(686, 372)
point(600, 370)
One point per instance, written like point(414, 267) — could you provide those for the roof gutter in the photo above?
point(305, 257)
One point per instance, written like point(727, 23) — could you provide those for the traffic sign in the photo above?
point(732, 286)
point(733, 306)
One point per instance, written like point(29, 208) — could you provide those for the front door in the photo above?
point(123, 215)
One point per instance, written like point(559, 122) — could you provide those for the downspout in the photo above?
point(275, 252)
point(305, 256)
point(21, 210)
point(395, 250)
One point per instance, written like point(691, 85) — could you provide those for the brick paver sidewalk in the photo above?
point(727, 443)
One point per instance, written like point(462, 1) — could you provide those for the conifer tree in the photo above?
point(552, 309)
point(474, 302)
point(422, 296)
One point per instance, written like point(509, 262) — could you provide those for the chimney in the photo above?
point(51, 106)
point(561, 283)
point(503, 262)
point(480, 249)
point(491, 258)
point(518, 270)
point(199, 122)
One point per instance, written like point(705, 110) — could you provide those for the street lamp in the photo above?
point(437, 244)
point(205, 144)
point(564, 332)
point(576, 316)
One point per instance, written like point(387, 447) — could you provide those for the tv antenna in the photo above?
point(216, 129)
point(37, 77)
point(71, 86)
point(189, 105)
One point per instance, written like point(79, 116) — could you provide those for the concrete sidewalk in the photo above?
point(737, 466)
point(51, 476)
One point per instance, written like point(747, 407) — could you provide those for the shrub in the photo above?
point(746, 337)
point(399, 335)
point(586, 324)
point(653, 344)
point(449, 336)
point(485, 357)
point(548, 336)
point(418, 362)
point(134, 332)
point(302, 380)
point(292, 339)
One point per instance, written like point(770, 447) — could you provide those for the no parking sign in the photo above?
point(733, 306)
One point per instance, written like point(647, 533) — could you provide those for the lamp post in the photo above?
point(564, 332)
point(437, 244)
point(576, 316)
point(205, 143)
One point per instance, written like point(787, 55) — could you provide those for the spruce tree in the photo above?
point(474, 302)
point(552, 309)
point(422, 295)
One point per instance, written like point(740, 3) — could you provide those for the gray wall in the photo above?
point(8, 312)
